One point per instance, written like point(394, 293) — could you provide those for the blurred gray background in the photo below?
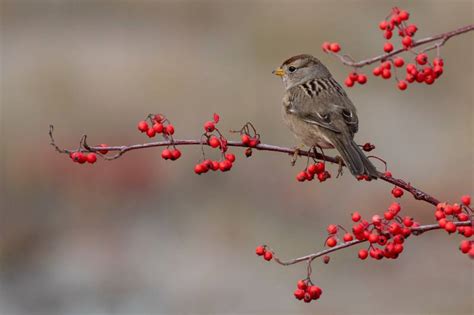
point(145, 236)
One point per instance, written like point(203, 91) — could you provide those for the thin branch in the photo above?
point(444, 37)
point(415, 231)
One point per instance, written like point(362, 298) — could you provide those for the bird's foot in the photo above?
point(296, 153)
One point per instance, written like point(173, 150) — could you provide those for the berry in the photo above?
point(356, 216)
point(326, 259)
point(411, 29)
point(299, 294)
point(166, 154)
point(230, 157)
point(394, 207)
point(348, 237)
point(245, 139)
point(143, 126)
point(407, 41)
point(363, 254)
point(332, 229)
point(301, 177)
point(373, 238)
point(209, 126)
point(214, 142)
point(397, 192)
point(150, 132)
point(302, 285)
point(175, 154)
point(377, 71)
point(169, 130)
point(348, 82)
point(331, 242)
point(386, 74)
point(408, 221)
point(268, 256)
point(158, 127)
point(398, 62)
point(388, 47)
point(403, 15)
point(103, 146)
point(450, 227)
point(466, 200)
point(402, 85)
point(383, 25)
point(362, 78)
point(314, 291)
point(198, 169)
point(422, 58)
point(386, 65)
point(334, 47)
point(463, 217)
point(388, 215)
point(307, 297)
point(326, 46)
point(387, 34)
point(353, 76)
point(465, 246)
point(214, 165)
point(91, 158)
point(320, 167)
point(225, 165)
point(260, 250)
point(387, 174)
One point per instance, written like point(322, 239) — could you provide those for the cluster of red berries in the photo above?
point(159, 124)
point(318, 169)
point(250, 141)
point(306, 291)
point(420, 71)
point(334, 47)
point(262, 251)
point(89, 157)
point(446, 213)
point(217, 141)
point(386, 234)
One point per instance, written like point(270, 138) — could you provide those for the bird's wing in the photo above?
point(323, 102)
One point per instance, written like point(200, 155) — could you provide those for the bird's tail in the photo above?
point(354, 157)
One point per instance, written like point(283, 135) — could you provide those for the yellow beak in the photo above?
point(279, 72)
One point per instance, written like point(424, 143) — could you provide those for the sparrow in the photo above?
point(319, 113)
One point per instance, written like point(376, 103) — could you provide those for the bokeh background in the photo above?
point(144, 236)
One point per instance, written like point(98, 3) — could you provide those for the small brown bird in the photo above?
point(319, 112)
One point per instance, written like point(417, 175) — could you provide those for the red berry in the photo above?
point(394, 207)
point(387, 34)
point(332, 229)
point(166, 154)
point(143, 126)
point(429, 79)
point(307, 297)
point(408, 221)
point(348, 237)
point(158, 127)
point(438, 70)
point(403, 15)
point(422, 58)
point(254, 142)
point(302, 285)
point(377, 71)
point(468, 231)
point(326, 46)
point(411, 29)
point(398, 62)
point(386, 74)
point(348, 82)
point(334, 47)
point(383, 25)
point(91, 158)
point(209, 126)
point(466, 200)
point(363, 254)
point(362, 78)
point(301, 177)
point(225, 165)
point(320, 167)
point(356, 216)
point(331, 242)
point(268, 256)
point(214, 165)
point(442, 223)
point(260, 250)
point(245, 139)
point(386, 65)
point(397, 192)
point(388, 47)
point(323, 176)
point(388, 215)
point(103, 146)
point(373, 238)
point(387, 174)
point(465, 246)
point(214, 142)
point(299, 294)
point(198, 169)
point(158, 118)
point(169, 129)
point(407, 41)
point(450, 227)
point(175, 154)
point(230, 157)
point(150, 132)
point(438, 62)
point(463, 217)
point(353, 76)
point(315, 292)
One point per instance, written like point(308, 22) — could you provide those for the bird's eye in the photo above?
point(291, 69)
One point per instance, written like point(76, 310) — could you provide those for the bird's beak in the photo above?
point(279, 72)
